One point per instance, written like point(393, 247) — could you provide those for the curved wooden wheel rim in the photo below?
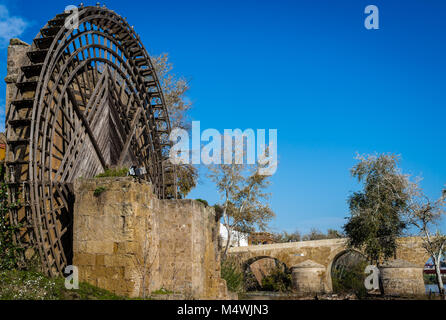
point(90, 99)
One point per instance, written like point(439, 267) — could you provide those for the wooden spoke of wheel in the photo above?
point(88, 100)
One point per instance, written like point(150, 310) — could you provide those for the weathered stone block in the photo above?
point(100, 247)
point(308, 278)
point(100, 260)
point(127, 228)
point(402, 278)
point(85, 259)
point(16, 59)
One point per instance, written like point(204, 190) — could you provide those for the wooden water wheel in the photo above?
point(88, 100)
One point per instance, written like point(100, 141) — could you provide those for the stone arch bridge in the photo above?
point(321, 254)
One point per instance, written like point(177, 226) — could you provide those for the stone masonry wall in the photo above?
point(124, 227)
point(16, 58)
point(188, 242)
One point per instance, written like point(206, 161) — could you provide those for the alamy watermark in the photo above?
point(372, 20)
point(72, 278)
point(371, 282)
point(234, 147)
point(72, 21)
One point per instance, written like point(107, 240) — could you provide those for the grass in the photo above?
point(162, 291)
point(28, 285)
point(114, 173)
point(99, 191)
point(232, 273)
point(277, 281)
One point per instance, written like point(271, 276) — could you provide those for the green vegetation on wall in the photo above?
point(206, 204)
point(98, 191)
point(114, 173)
point(10, 253)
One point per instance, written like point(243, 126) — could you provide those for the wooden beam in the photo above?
point(129, 137)
point(87, 127)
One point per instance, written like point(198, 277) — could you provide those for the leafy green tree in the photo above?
point(279, 280)
point(187, 177)
point(244, 198)
point(377, 212)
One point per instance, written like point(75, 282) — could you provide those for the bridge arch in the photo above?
point(255, 269)
point(333, 260)
point(247, 263)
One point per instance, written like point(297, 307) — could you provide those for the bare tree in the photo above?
point(314, 234)
point(425, 214)
point(334, 234)
point(284, 237)
point(244, 200)
point(175, 89)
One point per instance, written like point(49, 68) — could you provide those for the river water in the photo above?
point(280, 296)
point(431, 288)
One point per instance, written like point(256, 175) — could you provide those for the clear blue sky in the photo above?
point(309, 69)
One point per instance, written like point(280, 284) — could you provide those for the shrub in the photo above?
point(278, 281)
point(206, 204)
point(99, 191)
point(430, 279)
point(250, 281)
point(350, 280)
point(114, 173)
point(232, 272)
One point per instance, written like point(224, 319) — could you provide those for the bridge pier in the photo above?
point(402, 278)
point(309, 278)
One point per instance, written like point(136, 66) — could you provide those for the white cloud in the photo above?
point(10, 27)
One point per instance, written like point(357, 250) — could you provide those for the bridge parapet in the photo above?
point(321, 251)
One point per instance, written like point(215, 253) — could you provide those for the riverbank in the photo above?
point(29, 285)
point(262, 295)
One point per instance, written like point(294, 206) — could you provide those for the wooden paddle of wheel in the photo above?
point(89, 100)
